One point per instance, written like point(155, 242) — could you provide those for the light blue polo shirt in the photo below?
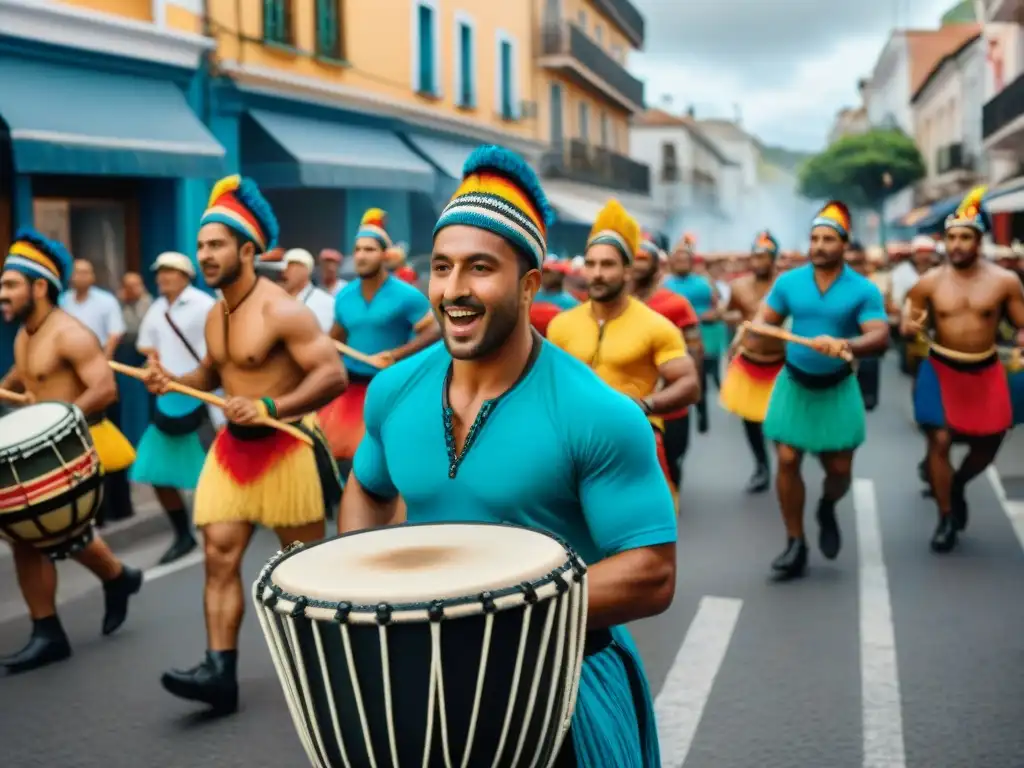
point(693, 288)
point(840, 312)
point(561, 299)
point(560, 452)
point(385, 322)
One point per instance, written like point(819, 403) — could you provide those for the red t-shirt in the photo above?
point(541, 314)
point(406, 274)
point(679, 311)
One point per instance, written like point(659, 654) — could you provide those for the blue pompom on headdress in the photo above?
point(38, 257)
point(501, 193)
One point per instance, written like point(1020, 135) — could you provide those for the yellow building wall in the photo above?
point(378, 49)
point(137, 10)
point(618, 119)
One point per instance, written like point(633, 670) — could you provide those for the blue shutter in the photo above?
point(327, 32)
point(466, 98)
point(506, 80)
point(426, 35)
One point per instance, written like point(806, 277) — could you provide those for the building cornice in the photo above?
point(274, 82)
point(59, 24)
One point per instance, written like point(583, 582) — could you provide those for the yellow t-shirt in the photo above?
point(627, 352)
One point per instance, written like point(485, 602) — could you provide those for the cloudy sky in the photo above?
point(786, 65)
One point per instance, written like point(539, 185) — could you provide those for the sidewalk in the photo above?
point(149, 521)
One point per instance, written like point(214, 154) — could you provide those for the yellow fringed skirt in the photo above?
point(747, 387)
point(115, 451)
point(263, 476)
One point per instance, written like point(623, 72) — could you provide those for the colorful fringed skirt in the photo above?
point(816, 414)
point(266, 477)
point(113, 448)
point(614, 725)
point(342, 419)
point(747, 387)
point(170, 453)
point(971, 399)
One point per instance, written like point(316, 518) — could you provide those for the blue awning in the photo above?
point(448, 156)
point(937, 214)
point(335, 155)
point(85, 122)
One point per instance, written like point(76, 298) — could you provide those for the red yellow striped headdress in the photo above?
point(970, 213)
point(765, 243)
point(238, 204)
point(835, 215)
point(375, 225)
point(500, 193)
point(614, 226)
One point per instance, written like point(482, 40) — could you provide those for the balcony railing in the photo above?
point(582, 162)
point(626, 17)
point(952, 158)
point(562, 38)
point(1003, 108)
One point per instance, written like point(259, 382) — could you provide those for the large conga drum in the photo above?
point(428, 645)
point(50, 478)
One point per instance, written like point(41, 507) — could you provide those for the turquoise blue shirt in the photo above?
point(840, 312)
point(561, 299)
point(385, 322)
point(694, 288)
point(561, 452)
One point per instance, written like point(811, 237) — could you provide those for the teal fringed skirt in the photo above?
point(169, 461)
point(614, 725)
point(715, 337)
point(815, 420)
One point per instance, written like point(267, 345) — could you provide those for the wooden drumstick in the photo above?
point(14, 397)
point(210, 399)
point(355, 354)
point(783, 335)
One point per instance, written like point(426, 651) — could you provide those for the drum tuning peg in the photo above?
point(299, 609)
point(342, 613)
point(436, 611)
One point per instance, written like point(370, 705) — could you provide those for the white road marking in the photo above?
point(882, 713)
point(1014, 510)
point(680, 705)
point(159, 571)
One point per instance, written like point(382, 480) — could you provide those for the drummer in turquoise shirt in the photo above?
point(551, 447)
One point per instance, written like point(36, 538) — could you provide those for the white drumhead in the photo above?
point(417, 564)
point(31, 421)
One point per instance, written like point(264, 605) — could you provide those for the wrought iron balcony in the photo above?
point(1003, 108)
point(627, 18)
point(582, 162)
point(564, 47)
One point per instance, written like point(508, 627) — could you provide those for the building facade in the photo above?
point(585, 98)
point(947, 123)
point(117, 115)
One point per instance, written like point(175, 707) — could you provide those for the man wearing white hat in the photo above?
point(170, 453)
point(297, 279)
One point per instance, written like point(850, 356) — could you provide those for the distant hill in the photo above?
point(786, 159)
point(961, 13)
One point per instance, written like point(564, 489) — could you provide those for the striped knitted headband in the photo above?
point(375, 224)
point(37, 257)
point(238, 204)
point(834, 215)
point(500, 193)
point(615, 227)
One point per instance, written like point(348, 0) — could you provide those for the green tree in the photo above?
point(864, 169)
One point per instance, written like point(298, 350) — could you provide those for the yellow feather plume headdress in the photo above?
point(970, 213)
point(614, 226)
point(375, 225)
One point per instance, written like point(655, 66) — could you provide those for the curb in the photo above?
point(147, 522)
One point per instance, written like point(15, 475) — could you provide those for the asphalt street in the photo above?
point(888, 657)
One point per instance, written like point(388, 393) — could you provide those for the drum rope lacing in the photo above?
point(301, 707)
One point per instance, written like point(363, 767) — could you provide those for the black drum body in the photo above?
point(478, 680)
point(50, 479)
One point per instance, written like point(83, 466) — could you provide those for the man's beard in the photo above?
point(368, 272)
point(645, 280)
point(229, 276)
point(501, 322)
point(26, 311)
point(963, 261)
point(612, 294)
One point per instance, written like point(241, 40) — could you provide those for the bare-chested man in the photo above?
point(270, 356)
point(58, 358)
point(755, 361)
point(961, 393)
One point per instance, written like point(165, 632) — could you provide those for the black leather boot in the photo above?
point(116, 593)
point(958, 510)
point(182, 546)
point(792, 563)
point(760, 481)
point(829, 538)
point(944, 538)
point(214, 682)
point(47, 645)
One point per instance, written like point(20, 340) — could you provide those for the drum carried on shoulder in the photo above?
point(50, 478)
point(428, 644)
